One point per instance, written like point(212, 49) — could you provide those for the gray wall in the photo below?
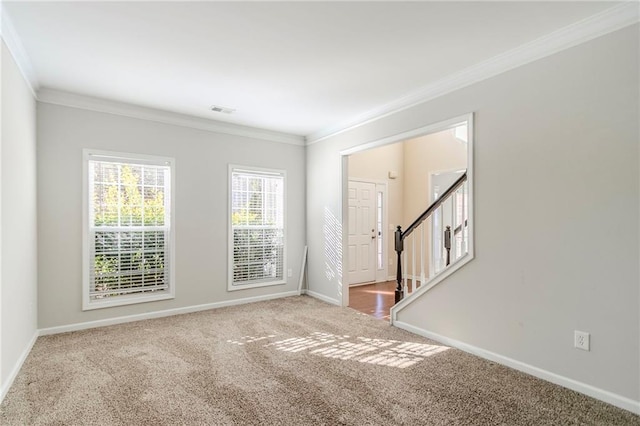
point(556, 214)
point(18, 262)
point(201, 214)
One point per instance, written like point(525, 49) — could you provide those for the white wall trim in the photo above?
point(409, 134)
point(73, 100)
point(263, 172)
point(161, 314)
point(16, 368)
point(605, 22)
point(421, 131)
point(15, 46)
point(169, 204)
point(322, 297)
point(586, 389)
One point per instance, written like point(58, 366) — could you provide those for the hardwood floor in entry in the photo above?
point(373, 299)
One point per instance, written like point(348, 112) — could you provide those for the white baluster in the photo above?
point(454, 218)
point(433, 261)
point(463, 227)
point(422, 226)
point(404, 276)
point(413, 262)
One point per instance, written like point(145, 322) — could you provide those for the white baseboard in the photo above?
point(322, 297)
point(16, 368)
point(597, 393)
point(160, 314)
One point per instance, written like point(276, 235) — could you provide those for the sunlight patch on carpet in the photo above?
point(249, 339)
point(391, 353)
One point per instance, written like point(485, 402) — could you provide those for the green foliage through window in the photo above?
point(257, 222)
point(129, 228)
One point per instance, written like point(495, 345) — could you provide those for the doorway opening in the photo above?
point(387, 184)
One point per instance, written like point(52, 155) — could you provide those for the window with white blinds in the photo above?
point(128, 232)
point(257, 231)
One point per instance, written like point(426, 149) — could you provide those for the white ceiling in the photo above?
point(297, 67)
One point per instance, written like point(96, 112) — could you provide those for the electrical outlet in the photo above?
point(289, 273)
point(581, 340)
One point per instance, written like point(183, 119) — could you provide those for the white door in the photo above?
point(362, 232)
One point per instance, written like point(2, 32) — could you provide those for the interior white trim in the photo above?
point(100, 155)
point(421, 131)
point(161, 314)
point(321, 297)
point(605, 22)
point(258, 171)
point(589, 390)
point(387, 235)
point(73, 100)
point(410, 134)
point(15, 46)
point(16, 368)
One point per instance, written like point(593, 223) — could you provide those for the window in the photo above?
point(128, 233)
point(257, 232)
point(461, 132)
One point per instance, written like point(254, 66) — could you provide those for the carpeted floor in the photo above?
point(293, 361)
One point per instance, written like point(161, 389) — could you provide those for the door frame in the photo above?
point(400, 137)
point(381, 186)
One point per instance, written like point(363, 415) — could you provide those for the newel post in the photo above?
point(399, 248)
point(447, 243)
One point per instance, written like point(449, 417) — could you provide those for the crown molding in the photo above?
point(73, 100)
point(11, 39)
point(607, 21)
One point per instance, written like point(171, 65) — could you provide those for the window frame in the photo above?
point(230, 247)
point(136, 159)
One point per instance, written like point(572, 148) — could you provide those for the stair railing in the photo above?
point(454, 199)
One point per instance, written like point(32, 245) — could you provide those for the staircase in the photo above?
point(436, 241)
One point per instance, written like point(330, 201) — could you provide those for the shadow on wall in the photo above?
point(333, 248)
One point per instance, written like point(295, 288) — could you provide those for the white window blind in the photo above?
point(257, 232)
point(129, 230)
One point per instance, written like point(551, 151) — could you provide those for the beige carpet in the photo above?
point(294, 361)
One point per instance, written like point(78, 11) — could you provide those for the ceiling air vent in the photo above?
point(224, 110)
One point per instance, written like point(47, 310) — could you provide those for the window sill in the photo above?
point(127, 300)
point(232, 287)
